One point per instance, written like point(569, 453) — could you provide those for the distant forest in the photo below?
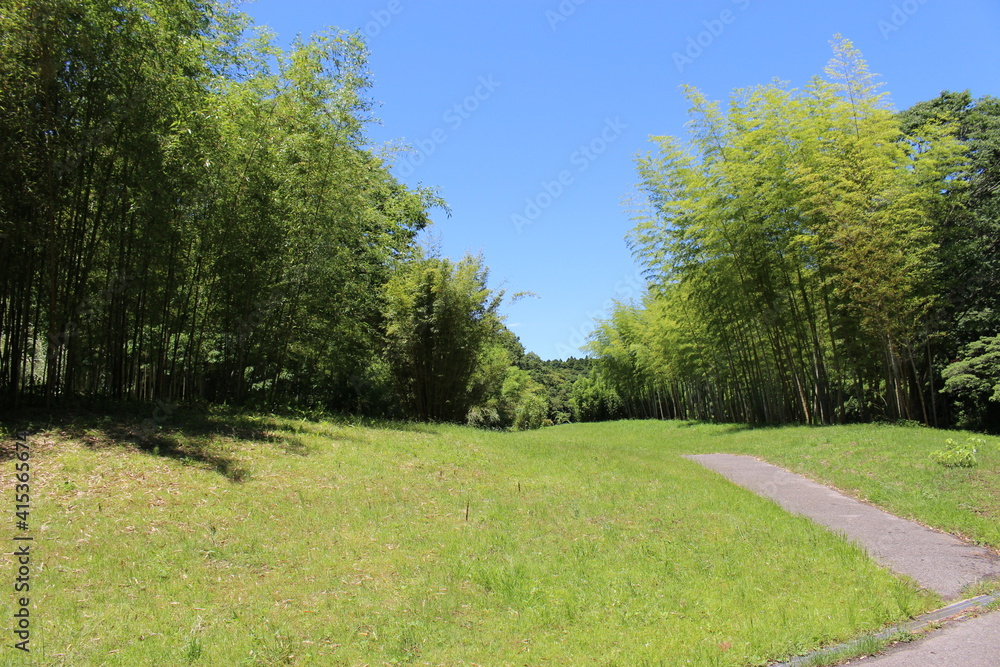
point(189, 213)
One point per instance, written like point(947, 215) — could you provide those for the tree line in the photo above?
point(187, 210)
point(814, 257)
point(190, 213)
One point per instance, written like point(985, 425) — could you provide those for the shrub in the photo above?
point(957, 455)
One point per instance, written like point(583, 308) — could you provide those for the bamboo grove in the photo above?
point(813, 257)
point(186, 210)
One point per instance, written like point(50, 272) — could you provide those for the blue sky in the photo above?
point(527, 115)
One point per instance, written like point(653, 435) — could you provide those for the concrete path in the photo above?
point(975, 642)
point(976, 646)
point(937, 561)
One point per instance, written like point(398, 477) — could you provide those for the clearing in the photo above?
point(259, 540)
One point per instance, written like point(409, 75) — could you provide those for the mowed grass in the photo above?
point(272, 541)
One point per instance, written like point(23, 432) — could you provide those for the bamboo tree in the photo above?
point(800, 240)
point(186, 212)
point(443, 326)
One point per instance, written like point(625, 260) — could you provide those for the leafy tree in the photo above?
point(793, 252)
point(556, 377)
point(444, 332)
point(518, 402)
point(974, 382)
point(188, 211)
point(593, 400)
point(968, 222)
point(967, 228)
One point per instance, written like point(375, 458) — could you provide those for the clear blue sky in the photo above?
point(510, 104)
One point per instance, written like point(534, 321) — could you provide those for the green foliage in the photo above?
point(491, 409)
point(444, 341)
point(188, 211)
point(971, 215)
point(974, 382)
point(594, 400)
point(557, 378)
point(526, 402)
point(967, 222)
point(451, 357)
point(793, 255)
point(519, 403)
point(516, 402)
point(977, 372)
point(958, 455)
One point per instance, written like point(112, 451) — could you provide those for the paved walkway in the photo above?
point(974, 642)
point(936, 560)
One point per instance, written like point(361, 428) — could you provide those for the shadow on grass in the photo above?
point(721, 428)
point(727, 428)
point(194, 454)
point(188, 434)
point(740, 428)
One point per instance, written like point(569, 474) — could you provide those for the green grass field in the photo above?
point(267, 541)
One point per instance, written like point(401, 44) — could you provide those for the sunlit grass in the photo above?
point(290, 542)
point(889, 466)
